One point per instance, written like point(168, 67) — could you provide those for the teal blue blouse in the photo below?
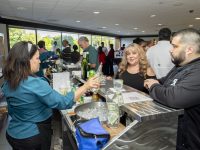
point(30, 103)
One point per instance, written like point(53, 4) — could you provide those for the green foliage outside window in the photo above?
point(17, 35)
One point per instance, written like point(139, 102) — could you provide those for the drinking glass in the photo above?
point(118, 84)
point(113, 116)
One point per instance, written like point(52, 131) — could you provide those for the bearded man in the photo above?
point(181, 87)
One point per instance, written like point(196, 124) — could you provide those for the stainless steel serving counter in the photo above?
point(143, 110)
point(150, 125)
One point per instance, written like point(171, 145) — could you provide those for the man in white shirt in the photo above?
point(159, 55)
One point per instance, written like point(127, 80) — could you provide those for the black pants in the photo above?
point(42, 141)
point(180, 142)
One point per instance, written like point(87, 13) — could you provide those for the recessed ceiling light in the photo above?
point(191, 25)
point(197, 18)
point(103, 27)
point(21, 8)
point(152, 16)
point(116, 24)
point(135, 28)
point(159, 24)
point(143, 31)
point(96, 12)
point(78, 21)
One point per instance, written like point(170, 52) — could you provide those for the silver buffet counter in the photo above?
point(149, 125)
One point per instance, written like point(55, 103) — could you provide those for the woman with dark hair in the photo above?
point(75, 55)
point(31, 99)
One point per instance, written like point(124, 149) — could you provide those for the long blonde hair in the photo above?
point(143, 64)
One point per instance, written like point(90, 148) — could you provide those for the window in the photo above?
point(21, 34)
point(108, 40)
point(17, 35)
point(72, 38)
point(49, 37)
point(96, 41)
point(2, 52)
point(112, 41)
point(105, 39)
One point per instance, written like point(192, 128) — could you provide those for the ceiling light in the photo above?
point(197, 18)
point(96, 12)
point(116, 24)
point(104, 27)
point(135, 28)
point(159, 24)
point(143, 31)
point(191, 25)
point(78, 21)
point(152, 16)
point(21, 8)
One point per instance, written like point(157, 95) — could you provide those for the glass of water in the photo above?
point(113, 116)
point(118, 84)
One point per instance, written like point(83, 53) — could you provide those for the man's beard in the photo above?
point(177, 60)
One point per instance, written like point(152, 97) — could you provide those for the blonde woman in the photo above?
point(134, 68)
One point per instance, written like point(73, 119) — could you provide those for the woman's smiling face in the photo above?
point(132, 57)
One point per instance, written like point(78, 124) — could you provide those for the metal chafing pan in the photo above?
point(99, 107)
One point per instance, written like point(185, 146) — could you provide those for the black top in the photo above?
point(75, 57)
point(66, 54)
point(134, 80)
point(181, 89)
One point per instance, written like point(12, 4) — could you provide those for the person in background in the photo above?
point(93, 54)
point(150, 43)
point(55, 46)
point(134, 68)
point(180, 87)
point(44, 58)
point(66, 52)
point(30, 99)
point(110, 59)
point(58, 52)
point(123, 47)
point(75, 54)
point(102, 58)
point(140, 42)
point(159, 55)
point(42, 47)
point(105, 50)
